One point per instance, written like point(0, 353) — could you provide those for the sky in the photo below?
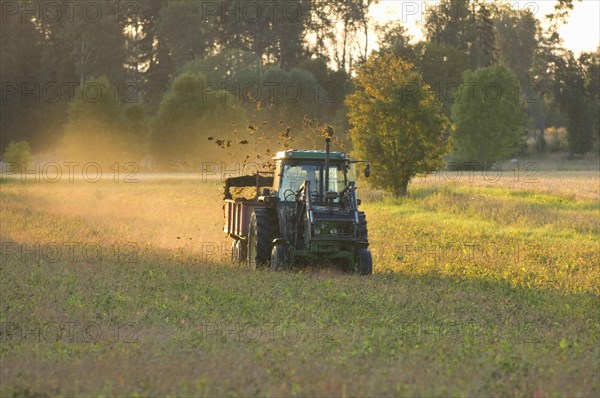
point(580, 33)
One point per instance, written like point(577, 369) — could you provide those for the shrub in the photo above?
point(17, 154)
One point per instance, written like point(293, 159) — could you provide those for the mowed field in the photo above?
point(124, 289)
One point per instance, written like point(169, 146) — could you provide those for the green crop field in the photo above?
point(124, 289)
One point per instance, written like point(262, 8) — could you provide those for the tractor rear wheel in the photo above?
point(261, 232)
point(365, 262)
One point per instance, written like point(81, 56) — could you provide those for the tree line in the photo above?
point(186, 81)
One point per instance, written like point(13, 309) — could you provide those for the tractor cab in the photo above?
point(327, 180)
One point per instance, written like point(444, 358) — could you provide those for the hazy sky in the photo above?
point(581, 32)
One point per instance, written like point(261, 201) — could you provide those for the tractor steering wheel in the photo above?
point(343, 191)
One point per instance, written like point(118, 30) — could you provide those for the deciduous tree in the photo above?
point(396, 122)
point(489, 116)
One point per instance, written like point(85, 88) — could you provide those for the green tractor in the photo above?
point(304, 212)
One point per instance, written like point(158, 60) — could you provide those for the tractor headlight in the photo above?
point(317, 231)
point(333, 231)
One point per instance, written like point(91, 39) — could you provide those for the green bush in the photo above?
point(102, 127)
point(18, 154)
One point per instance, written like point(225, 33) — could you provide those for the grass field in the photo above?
point(480, 288)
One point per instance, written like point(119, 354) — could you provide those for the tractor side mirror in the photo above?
point(266, 192)
point(368, 170)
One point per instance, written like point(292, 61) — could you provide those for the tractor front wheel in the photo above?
point(365, 262)
point(279, 258)
point(238, 251)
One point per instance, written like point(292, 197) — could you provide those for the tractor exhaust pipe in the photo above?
point(327, 150)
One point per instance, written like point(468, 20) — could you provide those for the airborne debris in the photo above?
point(211, 138)
point(251, 127)
point(243, 142)
point(328, 131)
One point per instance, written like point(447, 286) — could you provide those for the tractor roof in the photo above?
point(309, 155)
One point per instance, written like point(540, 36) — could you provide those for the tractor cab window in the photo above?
point(294, 175)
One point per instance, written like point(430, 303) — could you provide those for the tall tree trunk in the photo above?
point(82, 62)
point(343, 66)
point(541, 141)
point(366, 25)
